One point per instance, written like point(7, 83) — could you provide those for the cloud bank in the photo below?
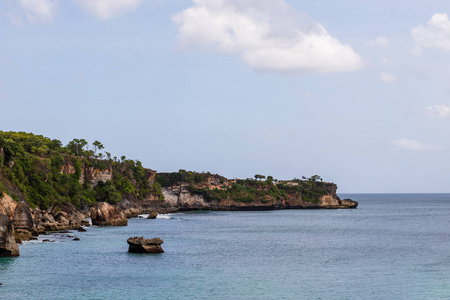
point(414, 145)
point(107, 9)
point(436, 34)
point(268, 34)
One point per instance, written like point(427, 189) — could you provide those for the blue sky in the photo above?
point(355, 91)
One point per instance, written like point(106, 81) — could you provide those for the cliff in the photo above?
point(215, 192)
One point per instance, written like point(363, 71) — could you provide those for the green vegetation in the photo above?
point(248, 190)
point(44, 172)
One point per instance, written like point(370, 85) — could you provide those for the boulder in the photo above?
point(8, 245)
point(23, 219)
point(44, 221)
point(67, 216)
point(129, 208)
point(348, 203)
point(104, 214)
point(142, 245)
point(152, 215)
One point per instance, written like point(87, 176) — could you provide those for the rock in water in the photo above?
point(8, 245)
point(142, 245)
point(104, 214)
point(152, 215)
point(349, 203)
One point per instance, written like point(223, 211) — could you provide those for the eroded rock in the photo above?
point(104, 214)
point(143, 245)
point(152, 215)
point(349, 203)
point(23, 223)
point(8, 245)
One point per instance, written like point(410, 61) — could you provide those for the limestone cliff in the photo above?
point(214, 192)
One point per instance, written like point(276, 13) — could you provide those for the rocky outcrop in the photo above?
point(44, 221)
point(104, 214)
point(8, 245)
point(348, 203)
point(152, 215)
point(7, 206)
point(23, 222)
point(142, 245)
point(329, 202)
point(130, 209)
point(67, 216)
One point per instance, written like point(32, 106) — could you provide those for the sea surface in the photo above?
point(393, 246)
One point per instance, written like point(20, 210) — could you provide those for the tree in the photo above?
point(108, 155)
point(269, 180)
point(123, 157)
point(259, 177)
point(97, 146)
point(76, 146)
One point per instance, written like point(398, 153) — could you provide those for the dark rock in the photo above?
point(85, 223)
point(8, 245)
point(104, 214)
point(152, 215)
point(76, 239)
point(46, 241)
point(81, 229)
point(142, 245)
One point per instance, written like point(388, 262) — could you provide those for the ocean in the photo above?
point(393, 246)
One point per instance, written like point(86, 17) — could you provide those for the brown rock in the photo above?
point(23, 219)
point(329, 202)
point(67, 216)
point(349, 203)
point(104, 214)
point(8, 245)
point(142, 245)
point(7, 206)
point(22, 235)
point(129, 208)
point(152, 215)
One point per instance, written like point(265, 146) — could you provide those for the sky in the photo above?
point(354, 91)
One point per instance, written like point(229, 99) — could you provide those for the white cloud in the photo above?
point(267, 34)
point(386, 77)
point(379, 41)
point(441, 111)
point(414, 145)
point(436, 34)
point(37, 11)
point(15, 19)
point(108, 9)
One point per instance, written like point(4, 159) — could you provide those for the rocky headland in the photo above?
point(46, 187)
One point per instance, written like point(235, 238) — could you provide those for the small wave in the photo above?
point(166, 216)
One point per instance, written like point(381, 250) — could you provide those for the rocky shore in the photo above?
point(18, 222)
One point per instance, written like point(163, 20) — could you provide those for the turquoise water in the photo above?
point(390, 247)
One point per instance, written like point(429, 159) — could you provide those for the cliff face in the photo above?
point(219, 193)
